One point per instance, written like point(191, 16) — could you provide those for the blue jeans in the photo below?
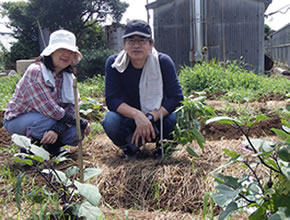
point(34, 125)
point(119, 128)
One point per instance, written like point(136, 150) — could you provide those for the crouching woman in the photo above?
point(42, 107)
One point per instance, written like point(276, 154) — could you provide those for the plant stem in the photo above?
point(254, 172)
point(49, 183)
point(254, 149)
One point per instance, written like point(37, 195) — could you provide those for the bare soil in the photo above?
point(147, 187)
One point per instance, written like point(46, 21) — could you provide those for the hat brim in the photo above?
point(52, 48)
point(137, 33)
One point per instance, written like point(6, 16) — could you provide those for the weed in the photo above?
point(232, 79)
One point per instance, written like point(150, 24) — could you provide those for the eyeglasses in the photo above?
point(142, 41)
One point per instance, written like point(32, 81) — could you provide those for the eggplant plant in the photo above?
point(79, 199)
point(187, 130)
point(265, 196)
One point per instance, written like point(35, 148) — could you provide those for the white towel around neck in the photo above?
point(151, 83)
point(67, 94)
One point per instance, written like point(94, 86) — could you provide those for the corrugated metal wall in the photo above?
point(171, 30)
point(280, 45)
point(231, 29)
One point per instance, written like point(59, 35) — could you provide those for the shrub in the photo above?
point(93, 63)
point(232, 79)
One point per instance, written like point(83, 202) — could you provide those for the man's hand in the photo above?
point(49, 137)
point(144, 129)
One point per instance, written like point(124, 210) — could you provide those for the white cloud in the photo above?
point(278, 20)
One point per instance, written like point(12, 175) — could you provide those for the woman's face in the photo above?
point(62, 58)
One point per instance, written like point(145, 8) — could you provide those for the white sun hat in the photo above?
point(62, 39)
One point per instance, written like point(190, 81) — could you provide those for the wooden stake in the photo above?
point(78, 128)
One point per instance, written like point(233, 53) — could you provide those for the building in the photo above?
point(194, 30)
point(279, 45)
point(114, 35)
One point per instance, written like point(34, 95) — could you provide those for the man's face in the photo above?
point(138, 48)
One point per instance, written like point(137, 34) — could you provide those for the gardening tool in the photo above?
point(78, 128)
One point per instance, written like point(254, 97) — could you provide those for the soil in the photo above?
point(145, 186)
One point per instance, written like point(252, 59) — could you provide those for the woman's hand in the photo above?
point(49, 137)
point(87, 130)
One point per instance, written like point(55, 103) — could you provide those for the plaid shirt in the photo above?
point(33, 95)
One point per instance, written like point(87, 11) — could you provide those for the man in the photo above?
point(141, 86)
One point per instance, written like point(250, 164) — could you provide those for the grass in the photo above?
point(234, 81)
point(7, 86)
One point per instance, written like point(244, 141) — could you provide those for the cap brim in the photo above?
point(137, 33)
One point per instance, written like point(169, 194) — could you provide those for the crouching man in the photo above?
point(141, 85)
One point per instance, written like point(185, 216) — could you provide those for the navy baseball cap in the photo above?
point(137, 27)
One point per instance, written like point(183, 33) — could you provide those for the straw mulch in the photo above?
point(177, 184)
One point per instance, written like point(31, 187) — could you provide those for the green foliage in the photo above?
point(267, 32)
point(7, 87)
point(91, 109)
point(233, 80)
point(187, 127)
point(83, 18)
point(93, 63)
point(268, 195)
point(25, 31)
point(92, 87)
point(67, 185)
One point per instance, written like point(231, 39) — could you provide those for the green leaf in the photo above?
point(34, 192)
point(260, 213)
point(284, 154)
point(281, 134)
point(59, 176)
point(261, 118)
point(227, 180)
point(225, 195)
point(90, 212)
point(224, 120)
point(205, 200)
point(199, 138)
point(39, 151)
point(21, 140)
point(228, 211)
point(71, 171)
point(191, 151)
point(286, 171)
point(231, 161)
point(91, 172)
point(260, 144)
point(286, 129)
point(90, 192)
point(230, 153)
point(19, 160)
point(18, 190)
point(283, 213)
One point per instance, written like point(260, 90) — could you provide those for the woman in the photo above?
point(42, 107)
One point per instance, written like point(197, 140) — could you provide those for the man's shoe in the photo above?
point(158, 154)
point(129, 154)
point(53, 150)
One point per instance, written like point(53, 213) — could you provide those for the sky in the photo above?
point(278, 20)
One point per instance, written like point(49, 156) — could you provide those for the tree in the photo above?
point(267, 32)
point(82, 17)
